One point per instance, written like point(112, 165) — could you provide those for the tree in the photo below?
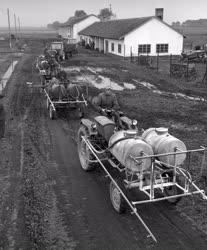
point(53, 25)
point(106, 14)
point(80, 13)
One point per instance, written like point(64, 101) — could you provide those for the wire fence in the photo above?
point(187, 68)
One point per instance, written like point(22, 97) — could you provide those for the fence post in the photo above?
point(187, 68)
point(147, 59)
point(205, 75)
point(157, 61)
point(124, 51)
point(170, 64)
point(138, 62)
point(137, 54)
point(131, 53)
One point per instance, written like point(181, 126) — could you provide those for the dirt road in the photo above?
point(48, 202)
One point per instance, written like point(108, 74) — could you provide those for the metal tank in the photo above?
point(74, 91)
point(57, 91)
point(162, 142)
point(126, 143)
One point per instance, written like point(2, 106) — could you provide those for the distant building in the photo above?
point(71, 28)
point(148, 35)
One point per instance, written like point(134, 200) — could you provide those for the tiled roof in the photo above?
point(114, 29)
point(117, 29)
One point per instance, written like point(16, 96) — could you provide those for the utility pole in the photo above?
point(15, 23)
point(19, 25)
point(10, 45)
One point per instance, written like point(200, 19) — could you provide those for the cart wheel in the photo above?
point(117, 199)
point(52, 113)
point(83, 151)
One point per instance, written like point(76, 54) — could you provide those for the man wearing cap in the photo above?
point(2, 118)
point(107, 101)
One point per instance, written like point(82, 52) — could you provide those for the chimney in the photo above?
point(159, 13)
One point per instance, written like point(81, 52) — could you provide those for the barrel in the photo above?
point(123, 145)
point(162, 142)
point(74, 91)
point(57, 92)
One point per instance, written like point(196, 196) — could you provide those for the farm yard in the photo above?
point(48, 202)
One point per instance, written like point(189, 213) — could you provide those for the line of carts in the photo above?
point(151, 161)
point(60, 94)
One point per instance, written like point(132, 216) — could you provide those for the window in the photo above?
point(119, 48)
point(112, 46)
point(144, 48)
point(162, 48)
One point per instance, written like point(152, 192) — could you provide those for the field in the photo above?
point(48, 202)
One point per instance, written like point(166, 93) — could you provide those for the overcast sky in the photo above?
point(41, 12)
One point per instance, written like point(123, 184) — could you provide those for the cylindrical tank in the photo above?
point(74, 91)
point(162, 142)
point(130, 145)
point(57, 91)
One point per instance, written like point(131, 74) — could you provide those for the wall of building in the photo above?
point(82, 25)
point(65, 32)
point(116, 44)
point(154, 32)
point(99, 42)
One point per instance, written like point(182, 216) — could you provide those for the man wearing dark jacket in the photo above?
point(107, 101)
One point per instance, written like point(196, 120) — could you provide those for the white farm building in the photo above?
point(71, 28)
point(123, 37)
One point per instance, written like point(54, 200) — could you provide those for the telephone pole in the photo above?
point(15, 23)
point(19, 26)
point(10, 45)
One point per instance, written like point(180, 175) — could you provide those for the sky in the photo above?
point(39, 13)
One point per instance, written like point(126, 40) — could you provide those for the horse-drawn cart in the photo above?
point(152, 162)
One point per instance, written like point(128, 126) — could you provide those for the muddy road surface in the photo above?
point(48, 202)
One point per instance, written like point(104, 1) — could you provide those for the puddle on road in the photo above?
point(169, 94)
point(73, 69)
point(145, 84)
point(129, 85)
point(7, 75)
point(96, 70)
point(97, 80)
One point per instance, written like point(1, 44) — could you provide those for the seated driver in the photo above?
point(105, 100)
